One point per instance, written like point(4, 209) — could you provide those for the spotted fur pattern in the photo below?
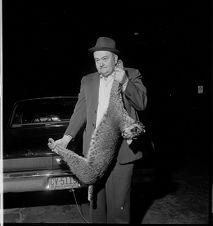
point(103, 145)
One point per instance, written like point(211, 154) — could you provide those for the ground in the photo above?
point(177, 196)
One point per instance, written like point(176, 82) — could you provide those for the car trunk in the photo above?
point(25, 148)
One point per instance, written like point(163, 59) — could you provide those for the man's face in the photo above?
point(105, 62)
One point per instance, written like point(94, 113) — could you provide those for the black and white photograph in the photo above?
point(106, 112)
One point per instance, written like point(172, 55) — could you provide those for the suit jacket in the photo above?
point(84, 115)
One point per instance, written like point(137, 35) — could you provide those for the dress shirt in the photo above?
point(103, 99)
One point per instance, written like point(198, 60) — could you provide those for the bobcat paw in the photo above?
point(133, 131)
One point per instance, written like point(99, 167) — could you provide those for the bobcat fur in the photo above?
point(103, 145)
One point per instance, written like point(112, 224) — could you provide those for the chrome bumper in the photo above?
point(33, 180)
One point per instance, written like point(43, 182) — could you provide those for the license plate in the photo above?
point(58, 183)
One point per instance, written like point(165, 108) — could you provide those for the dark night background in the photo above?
point(45, 54)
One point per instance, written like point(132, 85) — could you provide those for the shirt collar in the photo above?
point(106, 78)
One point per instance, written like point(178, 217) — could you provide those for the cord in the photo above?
point(78, 207)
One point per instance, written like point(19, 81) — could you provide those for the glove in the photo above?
point(64, 141)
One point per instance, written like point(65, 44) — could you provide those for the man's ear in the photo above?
point(115, 58)
point(120, 64)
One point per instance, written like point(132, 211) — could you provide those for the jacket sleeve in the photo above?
point(78, 118)
point(135, 91)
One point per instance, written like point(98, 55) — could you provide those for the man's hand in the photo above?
point(120, 75)
point(62, 142)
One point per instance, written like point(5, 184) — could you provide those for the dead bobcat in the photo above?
point(103, 145)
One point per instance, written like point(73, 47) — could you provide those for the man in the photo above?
point(112, 196)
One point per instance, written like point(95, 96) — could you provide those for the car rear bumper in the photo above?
point(38, 181)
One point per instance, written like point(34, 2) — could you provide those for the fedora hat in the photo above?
point(106, 44)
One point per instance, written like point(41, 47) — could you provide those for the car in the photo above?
point(28, 164)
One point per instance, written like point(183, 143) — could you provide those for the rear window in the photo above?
point(42, 111)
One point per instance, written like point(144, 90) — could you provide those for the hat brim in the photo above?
point(93, 49)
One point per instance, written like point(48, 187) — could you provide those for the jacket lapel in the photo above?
point(95, 94)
